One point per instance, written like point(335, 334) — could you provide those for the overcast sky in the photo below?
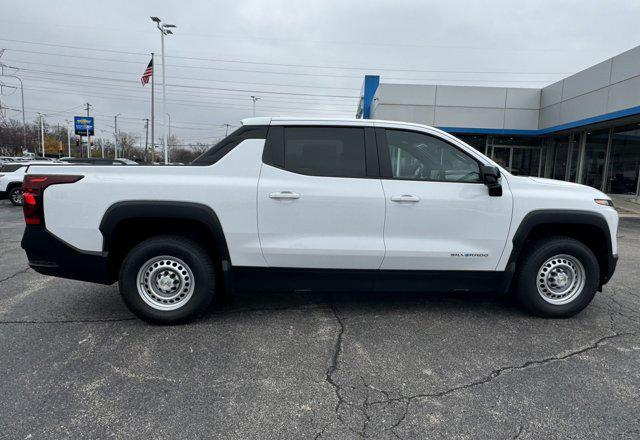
point(302, 58)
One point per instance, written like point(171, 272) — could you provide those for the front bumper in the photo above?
point(612, 263)
point(3, 195)
point(49, 255)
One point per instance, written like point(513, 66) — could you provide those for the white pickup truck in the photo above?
point(321, 205)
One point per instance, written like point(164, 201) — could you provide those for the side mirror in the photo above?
point(491, 178)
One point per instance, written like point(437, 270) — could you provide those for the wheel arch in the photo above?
point(590, 228)
point(128, 223)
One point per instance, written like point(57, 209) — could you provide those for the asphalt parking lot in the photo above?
point(74, 363)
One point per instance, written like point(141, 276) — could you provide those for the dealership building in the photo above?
point(584, 128)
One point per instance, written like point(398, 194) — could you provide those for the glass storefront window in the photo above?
point(520, 141)
point(560, 157)
point(624, 161)
point(479, 142)
point(595, 153)
point(525, 161)
point(574, 157)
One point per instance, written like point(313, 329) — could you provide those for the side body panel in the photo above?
point(73, 213)
point(335, 223)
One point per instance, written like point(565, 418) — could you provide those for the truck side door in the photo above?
point(320, 200)
point(439, 215)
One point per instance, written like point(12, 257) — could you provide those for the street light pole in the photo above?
point(164, 29)
point(254, 99)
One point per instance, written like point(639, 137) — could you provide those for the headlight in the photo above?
point(604, 202)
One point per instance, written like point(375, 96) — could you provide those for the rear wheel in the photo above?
point(15, 196)
point(167, 280)
point(558, 277)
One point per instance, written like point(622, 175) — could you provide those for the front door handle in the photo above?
point(284, 195)
point(406, 198)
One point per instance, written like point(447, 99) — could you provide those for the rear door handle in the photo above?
point(405, 198)
point(284, 195)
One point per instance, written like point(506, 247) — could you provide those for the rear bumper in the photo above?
point(49, 255)
point(3, 195)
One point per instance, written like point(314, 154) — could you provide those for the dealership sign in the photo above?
point(83, 124)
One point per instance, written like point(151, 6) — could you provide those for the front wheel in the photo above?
point(167, 280)
point(557, 278)
point(16, 196)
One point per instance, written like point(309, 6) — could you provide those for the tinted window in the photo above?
point(418, 156)
point(325, 151)
point(10, 168)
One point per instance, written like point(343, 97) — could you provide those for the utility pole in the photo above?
point(165, 29)
point(88, 142)
point(42, 132)
point(68, 138)
point(146, 139)
point(226, 130)
point(115, 135)
point(254, 99)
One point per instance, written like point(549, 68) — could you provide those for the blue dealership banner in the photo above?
point(82, 124)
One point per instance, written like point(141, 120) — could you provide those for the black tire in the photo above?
point(15, 196)
point(199, 279)
point(527, 281)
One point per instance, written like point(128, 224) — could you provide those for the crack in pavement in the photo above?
point(15, 275)
point(495, 374)
point(518, 432)
point(333, 367)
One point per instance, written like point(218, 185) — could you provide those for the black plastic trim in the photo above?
point(566, 217)
point(222, 148)
point(266, 279)
point(49, 255)
point(150, 209)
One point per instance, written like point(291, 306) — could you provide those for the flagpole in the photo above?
point(153, 119)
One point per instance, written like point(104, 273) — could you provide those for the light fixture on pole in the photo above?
point(254, 99)
point(165, 29)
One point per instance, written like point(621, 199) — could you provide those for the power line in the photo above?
point(312, 66)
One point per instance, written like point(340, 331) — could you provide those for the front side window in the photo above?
point(418, 156)
point(325, 151)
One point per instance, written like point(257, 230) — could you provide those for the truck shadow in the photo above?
point(367, 302)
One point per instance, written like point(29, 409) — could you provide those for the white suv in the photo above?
point(11, 175)
point(323, 205)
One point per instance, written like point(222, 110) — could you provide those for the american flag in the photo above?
point(148, 73)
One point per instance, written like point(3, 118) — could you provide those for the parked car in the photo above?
point(11, 176)
point(324, 205)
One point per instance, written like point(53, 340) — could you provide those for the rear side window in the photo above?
point(10, 168)
point(325, 151)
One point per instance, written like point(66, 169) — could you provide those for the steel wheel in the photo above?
point(16, 196)
point(560, 279)
point(165, 283)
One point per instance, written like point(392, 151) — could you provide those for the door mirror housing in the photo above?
point(491, 178)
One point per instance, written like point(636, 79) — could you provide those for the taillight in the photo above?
point(33, 187)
